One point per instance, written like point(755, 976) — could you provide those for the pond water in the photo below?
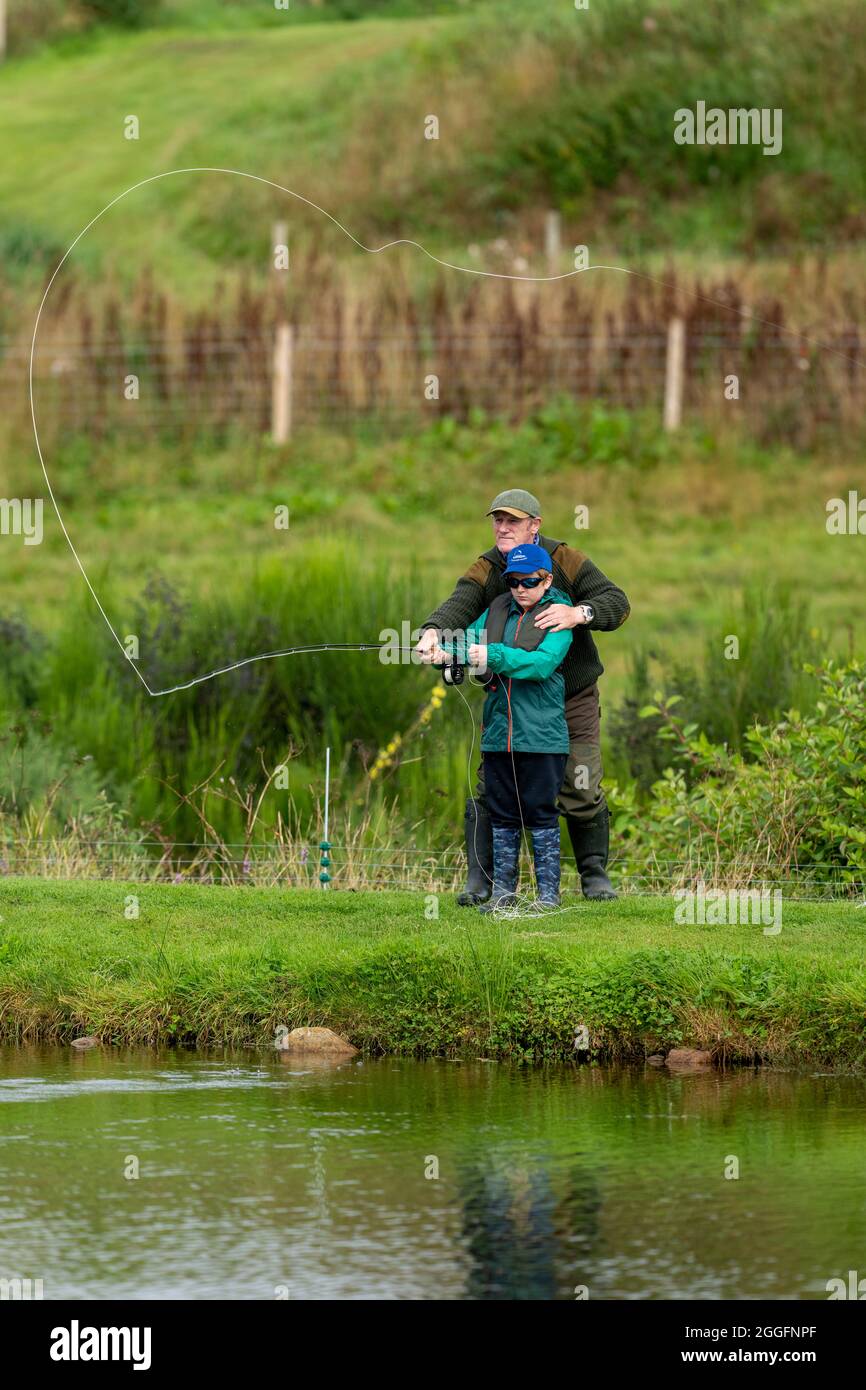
point(260, 1178)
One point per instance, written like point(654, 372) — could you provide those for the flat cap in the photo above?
point(517, 502)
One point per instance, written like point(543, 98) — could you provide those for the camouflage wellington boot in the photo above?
point(546, 853)
point(506, 869)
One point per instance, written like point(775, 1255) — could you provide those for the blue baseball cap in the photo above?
point(525, 559)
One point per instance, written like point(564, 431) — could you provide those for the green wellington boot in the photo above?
point(590, 841)
point(479, 855)
point(546, 855)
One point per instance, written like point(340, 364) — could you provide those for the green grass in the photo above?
point(207, 965)
point(539, 106)
point(681, 536)
point(683, 524)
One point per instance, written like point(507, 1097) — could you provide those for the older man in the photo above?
point(597, 605)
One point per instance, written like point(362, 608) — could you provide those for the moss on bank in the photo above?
point(207, 965)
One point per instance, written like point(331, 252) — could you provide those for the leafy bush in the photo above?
point(128, 14)
point(23, 245)
point(793, 806)
point(22, 651)
point(728, 694)
point(32, 22)
point(38, 774)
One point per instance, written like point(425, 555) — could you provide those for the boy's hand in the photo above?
point(558, 617)
point(477, 656)
point(428, 647)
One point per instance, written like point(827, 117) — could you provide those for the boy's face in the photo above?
point(527, 598)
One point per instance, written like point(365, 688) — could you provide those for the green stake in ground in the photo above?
point(324, 844)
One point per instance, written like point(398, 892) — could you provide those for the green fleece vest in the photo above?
point(527, 637)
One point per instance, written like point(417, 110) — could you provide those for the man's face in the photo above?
point(509, 531)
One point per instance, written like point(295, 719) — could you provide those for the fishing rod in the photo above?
point(453, 673)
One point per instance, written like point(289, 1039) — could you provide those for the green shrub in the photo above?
point(128, 14)
point(727, 695)
point(22, 650)
point(795, 807)
point(38, 774)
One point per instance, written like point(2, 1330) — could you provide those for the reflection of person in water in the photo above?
point(525, 1240)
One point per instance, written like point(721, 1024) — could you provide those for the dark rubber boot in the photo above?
point(506, 869)
point(546, 854)
point(479, 855)
point(590, 841)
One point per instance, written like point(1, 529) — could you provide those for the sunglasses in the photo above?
point(524, 581)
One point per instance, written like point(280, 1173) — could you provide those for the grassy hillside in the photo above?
point(539, 105)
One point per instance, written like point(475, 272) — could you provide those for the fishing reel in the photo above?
point(454, 673)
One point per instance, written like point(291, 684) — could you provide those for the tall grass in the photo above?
point(362, 357)
point(282, 712)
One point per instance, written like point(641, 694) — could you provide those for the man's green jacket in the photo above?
point(577, 579)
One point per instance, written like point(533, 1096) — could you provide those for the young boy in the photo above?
point(524, 737)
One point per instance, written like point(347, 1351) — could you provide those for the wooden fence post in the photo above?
point(2, 30)
point(281, 400)
point(674, 373)
point(552, 242)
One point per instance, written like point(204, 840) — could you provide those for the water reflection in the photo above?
point(257, 1175)
point(527, 1229)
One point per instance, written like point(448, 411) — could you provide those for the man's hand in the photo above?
point(558, 617)
point(428, 648)
point(477, 656)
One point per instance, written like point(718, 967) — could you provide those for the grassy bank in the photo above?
point(206, 965)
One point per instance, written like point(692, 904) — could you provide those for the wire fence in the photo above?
point(358, 868)
point(395, 383)
point(269, 366)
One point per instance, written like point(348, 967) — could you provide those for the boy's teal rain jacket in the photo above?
point(524, 710)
